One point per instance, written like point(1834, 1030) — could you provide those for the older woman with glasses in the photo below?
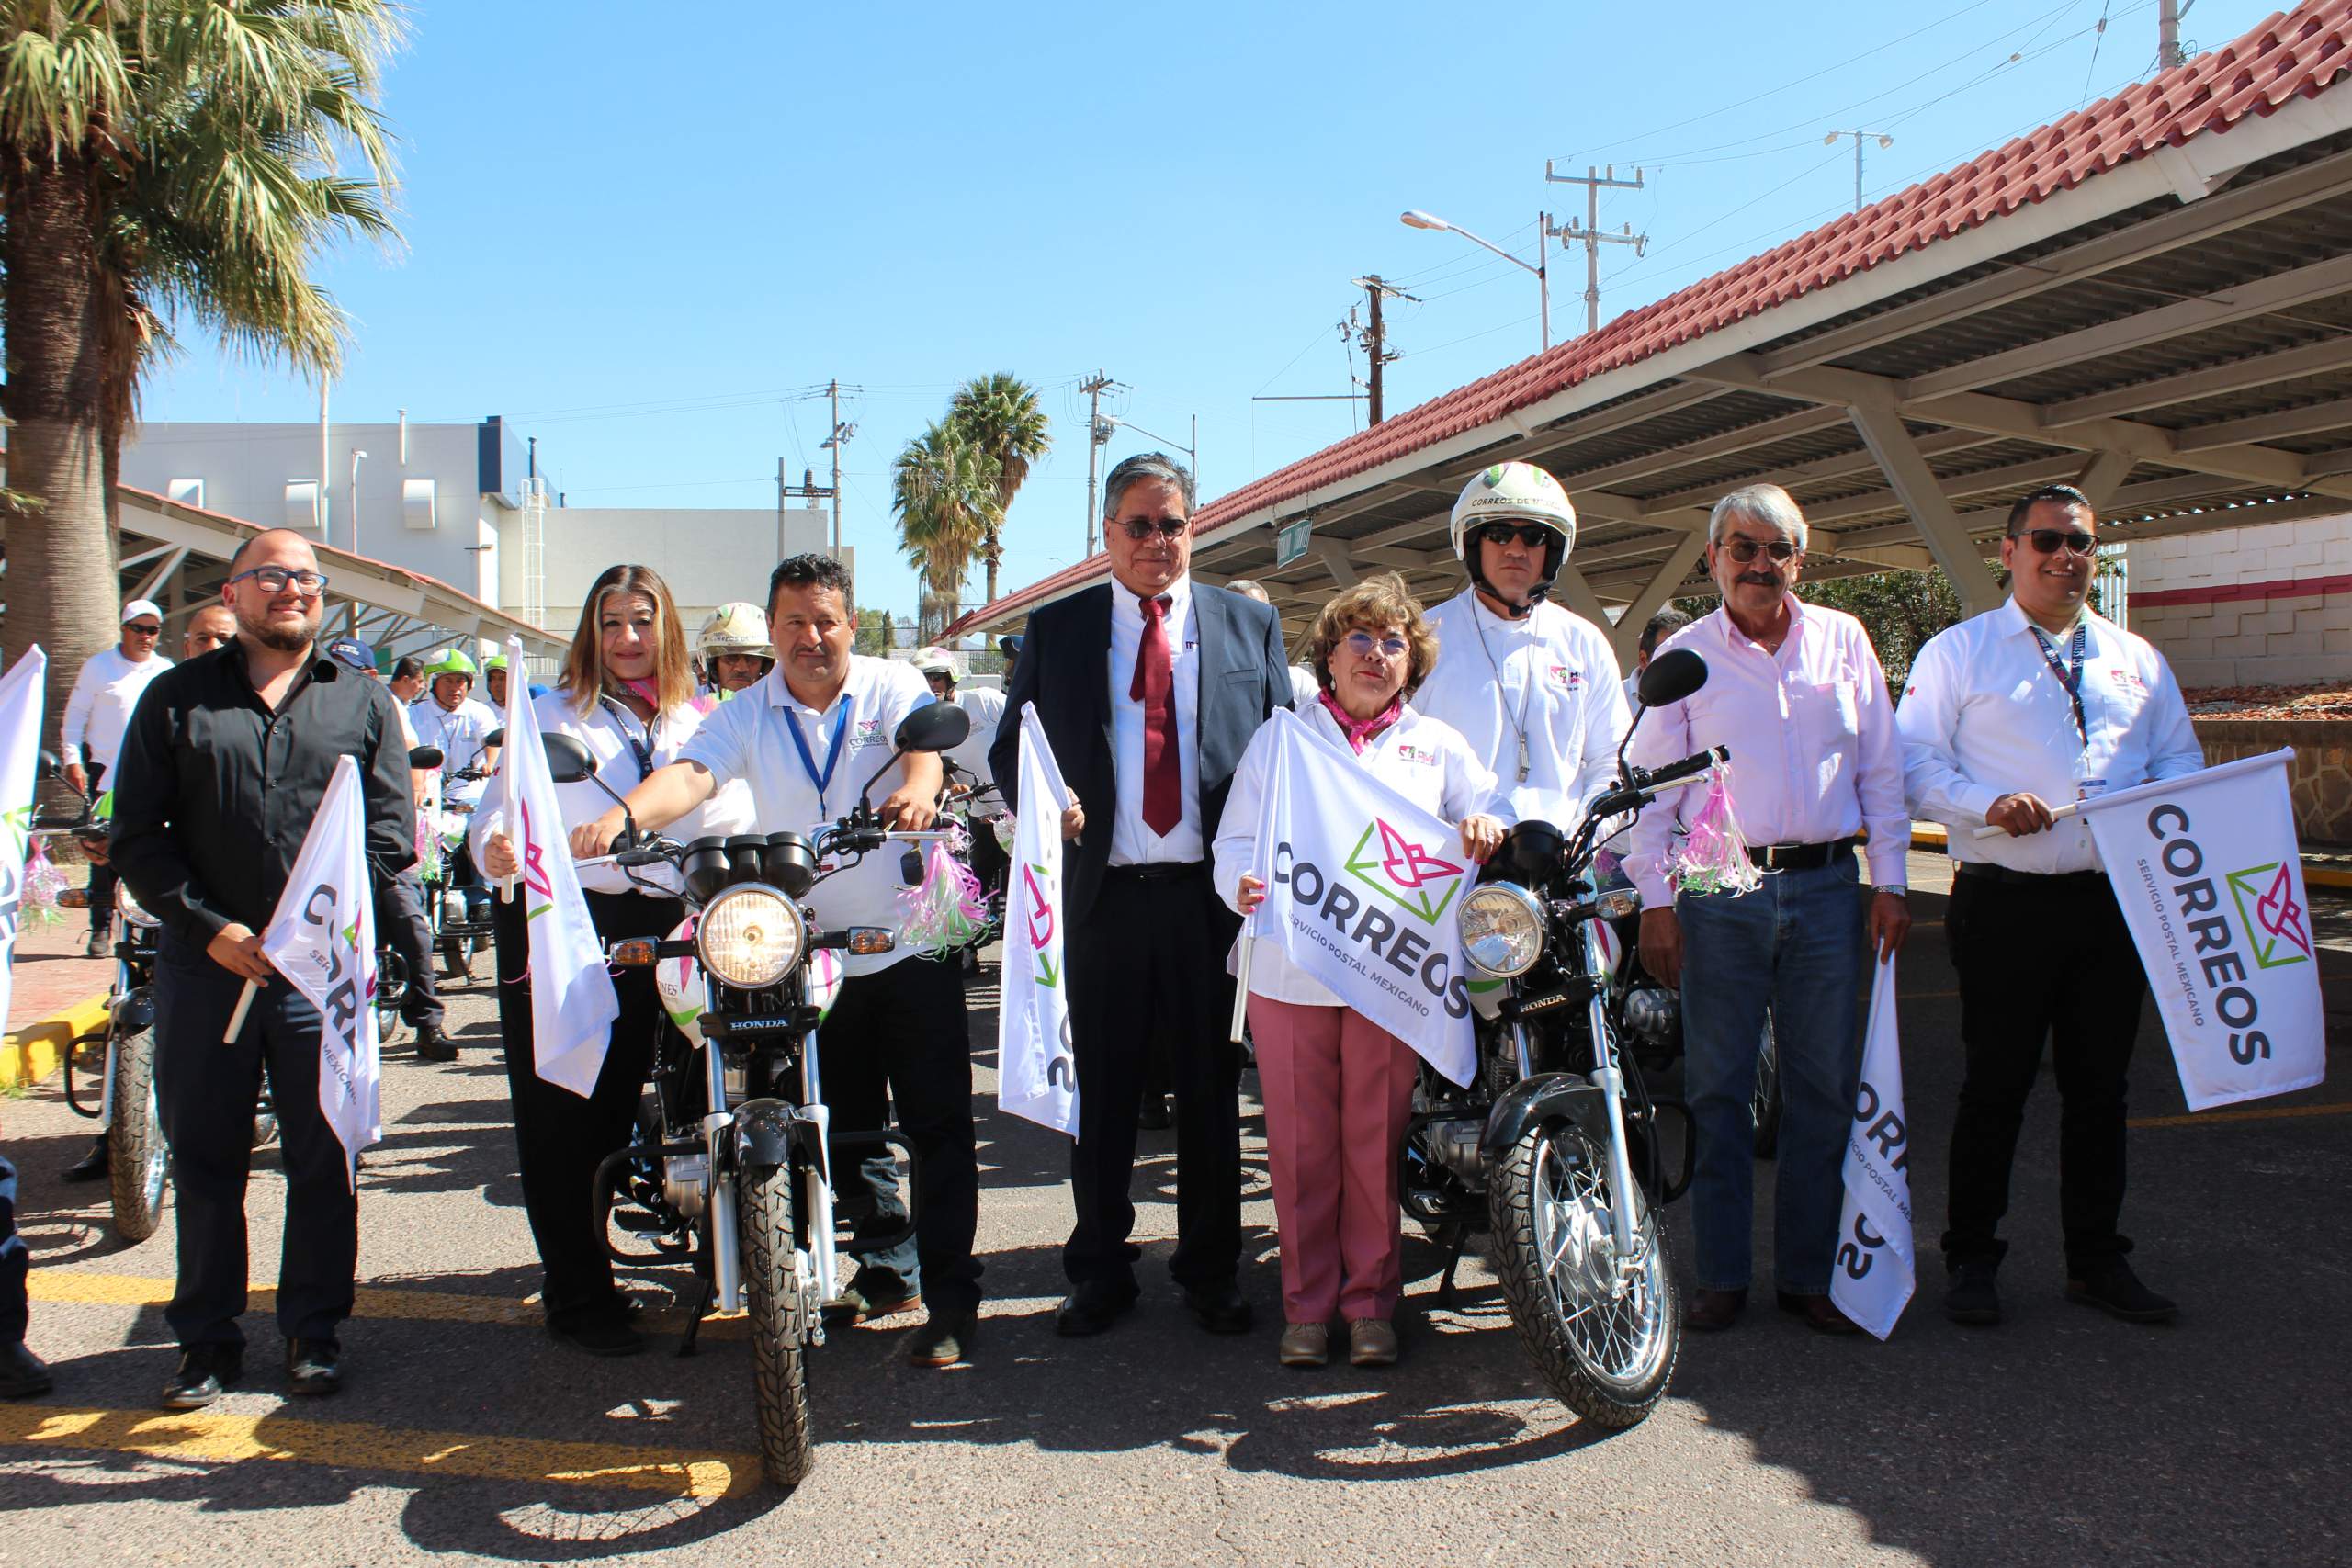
point(1337, 1087)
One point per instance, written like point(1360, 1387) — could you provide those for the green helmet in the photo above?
point(495, 661)
point(453, 662)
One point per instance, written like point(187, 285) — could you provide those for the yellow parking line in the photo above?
point(2269, 1113)
point(71, 1286)
point(215, 1437)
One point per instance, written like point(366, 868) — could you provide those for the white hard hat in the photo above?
point(737, 628)
point(939, 661)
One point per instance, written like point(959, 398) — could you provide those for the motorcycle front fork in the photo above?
point(1625, 1193)
point(726, 1247)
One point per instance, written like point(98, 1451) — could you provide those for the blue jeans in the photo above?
point(1794, 944)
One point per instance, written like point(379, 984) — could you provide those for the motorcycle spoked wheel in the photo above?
point(1608, 1358)
point(457, 957)
point(139, 1163)
point(1768, 1102)
point(779, 1328)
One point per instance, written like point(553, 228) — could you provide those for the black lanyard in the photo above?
point(2072, 682)
point(833, 752)
point(641, 747)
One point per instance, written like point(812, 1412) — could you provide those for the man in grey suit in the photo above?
point(1149, 688)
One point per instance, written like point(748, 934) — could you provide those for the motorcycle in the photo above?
point(730, 1171)
point(980, 810)
point(1556, 1147)
point(454, 886)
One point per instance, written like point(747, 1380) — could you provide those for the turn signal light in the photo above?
point(871, 938)
point(636, 952)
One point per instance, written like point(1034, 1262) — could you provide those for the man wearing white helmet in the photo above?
point(1532, 687)
point(943, 670)
point(733, 649)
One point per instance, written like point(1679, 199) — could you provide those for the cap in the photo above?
point(1009, 646)
point(139, 608)
point(352, 654)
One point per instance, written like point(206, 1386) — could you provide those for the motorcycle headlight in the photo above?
point(128, 907)
point(1502, 930)
point(750, 936)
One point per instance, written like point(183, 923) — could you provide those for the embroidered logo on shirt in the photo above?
point(869, 733)
point(1408, 751)
point(1567, 680)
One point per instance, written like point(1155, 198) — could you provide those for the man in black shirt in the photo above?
point(226, 762)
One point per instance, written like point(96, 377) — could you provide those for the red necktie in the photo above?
point(1155, 687)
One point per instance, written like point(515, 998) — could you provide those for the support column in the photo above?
point(1571, 590)
point(1625, 636)
point(1915, 484)
point(2103, 476)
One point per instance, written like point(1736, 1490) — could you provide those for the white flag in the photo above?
point(1361, 885)
point(20, 706)
point(572, 1000)
point(2207, 869)
point(1873, 1275)
point(1037, 1076)
point(322, 939)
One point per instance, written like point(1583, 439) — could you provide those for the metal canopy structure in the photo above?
point(2151, 298)
point(178, 555)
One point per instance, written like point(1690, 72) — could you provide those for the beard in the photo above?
point(285, 636)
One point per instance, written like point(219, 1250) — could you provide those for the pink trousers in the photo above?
point(1337, 1092)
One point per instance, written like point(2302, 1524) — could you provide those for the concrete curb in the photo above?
point(29, 1055)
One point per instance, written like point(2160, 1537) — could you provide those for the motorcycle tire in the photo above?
point(1608, 1359)
point(779, 1322)
point(457, 957)
point(1768, 1095)
point(265, 1128)
point(139, 1163)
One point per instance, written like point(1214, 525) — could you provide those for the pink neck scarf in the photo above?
point(1358, 730)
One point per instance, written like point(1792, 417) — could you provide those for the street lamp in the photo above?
point(1191, 453)
point(1417, 219)
point(1884, 140)
point(356, 457)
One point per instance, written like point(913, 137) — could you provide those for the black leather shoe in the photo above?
point(945, 1340)
point(23, 1375)
point(1155, 1116)
point(91, 1167)
point(1091, 1308)
point(206, 1372)
point(606, 1337)
point(1222, 1309)
point(2114, 1287)
point(313, 1366)
point(432, 1045)
point(866, 1299)
point(1820, 1313)
point(1973, 1299)
point(1711, 1312)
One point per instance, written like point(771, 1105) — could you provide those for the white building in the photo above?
point(2268, 605)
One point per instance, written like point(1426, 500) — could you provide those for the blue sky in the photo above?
point(638, 233)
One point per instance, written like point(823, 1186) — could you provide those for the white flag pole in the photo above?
point(1991, 831)
point(237, 1018)
point(1241, 981)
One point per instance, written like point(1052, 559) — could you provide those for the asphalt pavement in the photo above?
point(2062, 1437)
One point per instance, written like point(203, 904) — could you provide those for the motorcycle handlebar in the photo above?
point(1650, 779)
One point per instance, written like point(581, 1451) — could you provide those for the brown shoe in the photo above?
point(1711, 1312)
point(1820, 1313)
point(1304, 1343)
point(1371, 1342)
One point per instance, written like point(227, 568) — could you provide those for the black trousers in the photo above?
point(16, 1262)
point(899, 1035)
point(207, 1091)
point(559, 1137)
point(1146, 970)
point(102, 877)
point(2049, 960)
point(399, 915)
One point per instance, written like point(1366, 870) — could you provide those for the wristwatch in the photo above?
point(1900, 892)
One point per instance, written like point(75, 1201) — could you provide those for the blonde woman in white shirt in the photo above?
point(627, 693)
point(1337, 1089)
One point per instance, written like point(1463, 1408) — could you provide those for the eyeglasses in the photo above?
point(143, 629)
point(2048, 541)
point(1361, 644)
point(276, 579)
point(1531, 535)
point(1745, 550)
point(1142, 528)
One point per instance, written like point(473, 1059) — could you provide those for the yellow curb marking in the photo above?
point(213, 1437)
point(30, 1054)
point(2271, 1113)
point(429, 1306)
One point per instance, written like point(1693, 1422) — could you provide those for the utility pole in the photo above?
point(808, 489)
point(834, 443)
point(2168, 51)
point(1097, 434)
point(1884, 140)
point(1374, 337)
point(1593, 180)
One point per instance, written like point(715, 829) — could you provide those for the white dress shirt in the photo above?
point(1983, 716)
point(606, 729)
point(1132, 840)
point(1306, 686)
point(1813, 753)
point(1552, 675)
point(750, 739)
point(462, 734)
point(986, 709)
point(99, 710)
point(1418, 757)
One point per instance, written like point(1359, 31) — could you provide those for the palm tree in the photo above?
point(160, 159)
point(998, 413)
point(944, 489)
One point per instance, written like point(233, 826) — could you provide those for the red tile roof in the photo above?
point(2293, 54)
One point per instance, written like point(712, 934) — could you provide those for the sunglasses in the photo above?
point(2048, 541)
point(1361, 644)
point(274, 580)
point(1142, 528)
point(1531, 535)
point(1745, 550)
point(142, 628)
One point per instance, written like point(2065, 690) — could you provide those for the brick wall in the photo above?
point(2321, 776)
point(2267, 606)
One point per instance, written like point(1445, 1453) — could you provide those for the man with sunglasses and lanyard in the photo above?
point(2041, 702)
point(1795, 691)
point(1532, 686)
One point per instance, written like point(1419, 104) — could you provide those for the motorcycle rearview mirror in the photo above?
point(49, 766)
point(1672, 676)
point(569, 759)
point(935, 727)
point(421, 758)
point(494, 739)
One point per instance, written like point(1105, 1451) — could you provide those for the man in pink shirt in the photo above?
point(1795, 691)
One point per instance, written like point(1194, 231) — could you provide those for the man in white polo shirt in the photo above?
point(806, 737)
point(95, 716)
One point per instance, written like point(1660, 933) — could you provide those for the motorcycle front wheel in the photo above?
point(1605, 1340)
point(779, 1322)
point(139, 1163)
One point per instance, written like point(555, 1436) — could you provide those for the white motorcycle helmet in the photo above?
point(932, 661)
point(1515, 492)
